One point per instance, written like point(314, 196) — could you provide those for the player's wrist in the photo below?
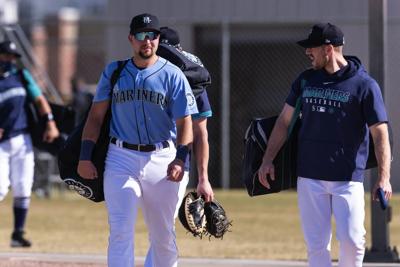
point(182, 152)
point(48, 117)
point(87, 147)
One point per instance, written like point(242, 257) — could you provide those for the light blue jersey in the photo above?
point(146, 102)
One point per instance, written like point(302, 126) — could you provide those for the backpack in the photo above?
point(197, 75)
point(68, 156)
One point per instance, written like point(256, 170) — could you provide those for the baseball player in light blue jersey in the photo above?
point(16, 152)
point(150, 131)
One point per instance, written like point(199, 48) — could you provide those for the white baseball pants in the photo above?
point(135, 179)
point(318, 200)
point(16, 166)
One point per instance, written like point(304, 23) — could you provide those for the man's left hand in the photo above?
point(386, 187)
point(51, 132)
point(204, 189)
point(175, 170)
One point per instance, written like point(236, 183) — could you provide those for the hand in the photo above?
point(175, 170)
point(204, 189)
point(386, 187)
point(87, 170)
point(266, 168)
point(1, 133)
point(51, 132)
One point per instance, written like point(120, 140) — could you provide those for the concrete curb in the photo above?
point(183, 262)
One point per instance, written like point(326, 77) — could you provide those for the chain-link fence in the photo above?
point(264, 59)
point(263, 63)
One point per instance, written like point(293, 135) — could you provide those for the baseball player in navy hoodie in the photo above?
point(341, 104)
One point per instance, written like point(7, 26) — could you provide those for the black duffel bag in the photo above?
point(255, 143)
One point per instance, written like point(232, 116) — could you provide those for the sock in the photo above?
point(21, 205)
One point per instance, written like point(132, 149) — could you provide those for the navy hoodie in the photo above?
point(337, 110)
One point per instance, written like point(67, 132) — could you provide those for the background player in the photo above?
point(341, 103)
point(199, 79)
point(16, 153)
point(151, 112)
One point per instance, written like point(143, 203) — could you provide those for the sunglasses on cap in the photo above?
point(141, 36)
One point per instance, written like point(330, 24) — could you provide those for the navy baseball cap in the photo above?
point(8, 47)
point(169, 36)
point(323, 33)
point(144, 22)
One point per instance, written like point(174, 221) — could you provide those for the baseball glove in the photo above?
point(191, 214)
point(217, 221)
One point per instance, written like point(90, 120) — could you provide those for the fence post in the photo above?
point(225, 105)
point(380, 250)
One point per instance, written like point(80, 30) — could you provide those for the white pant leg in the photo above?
point(182, 191)
point(315, 213)
point(161, 198)
point(16, 166)
point(349, 212)
point(5, 153)
point(122, 195)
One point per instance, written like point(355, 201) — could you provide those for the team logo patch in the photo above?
point(146, 20)
point(190, 99)
point(13, 46)
point(80, 188)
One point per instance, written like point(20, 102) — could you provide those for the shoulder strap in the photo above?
point(22, 77)
point(297, 109)
point(117, 72)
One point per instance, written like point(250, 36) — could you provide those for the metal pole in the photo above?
point(380, 250)
point(225, 105)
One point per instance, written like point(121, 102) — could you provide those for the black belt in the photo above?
point(138, 147)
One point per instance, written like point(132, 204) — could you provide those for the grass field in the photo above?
point(265, 227)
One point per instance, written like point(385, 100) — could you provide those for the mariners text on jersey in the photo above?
point(122, 96)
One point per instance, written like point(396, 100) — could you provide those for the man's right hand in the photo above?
point(87, 170)
point(266, 168)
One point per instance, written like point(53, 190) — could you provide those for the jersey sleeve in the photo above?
point(183, 102)
point(373, 105)
point(203, 105)
point(32, 87)
point(103, 89)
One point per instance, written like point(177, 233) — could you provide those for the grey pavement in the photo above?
point(100, 260)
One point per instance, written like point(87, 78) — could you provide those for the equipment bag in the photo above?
point(68, 157)
point(255, 143)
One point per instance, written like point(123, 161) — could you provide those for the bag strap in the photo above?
point(297, 109)
point(117, 72)
point(22, 77)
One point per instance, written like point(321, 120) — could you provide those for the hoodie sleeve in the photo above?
point(373, 106)
point(296, 90)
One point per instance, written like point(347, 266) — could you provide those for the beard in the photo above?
point(145, 55)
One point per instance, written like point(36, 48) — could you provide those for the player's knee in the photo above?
point(120, 229)
point(352, 242)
